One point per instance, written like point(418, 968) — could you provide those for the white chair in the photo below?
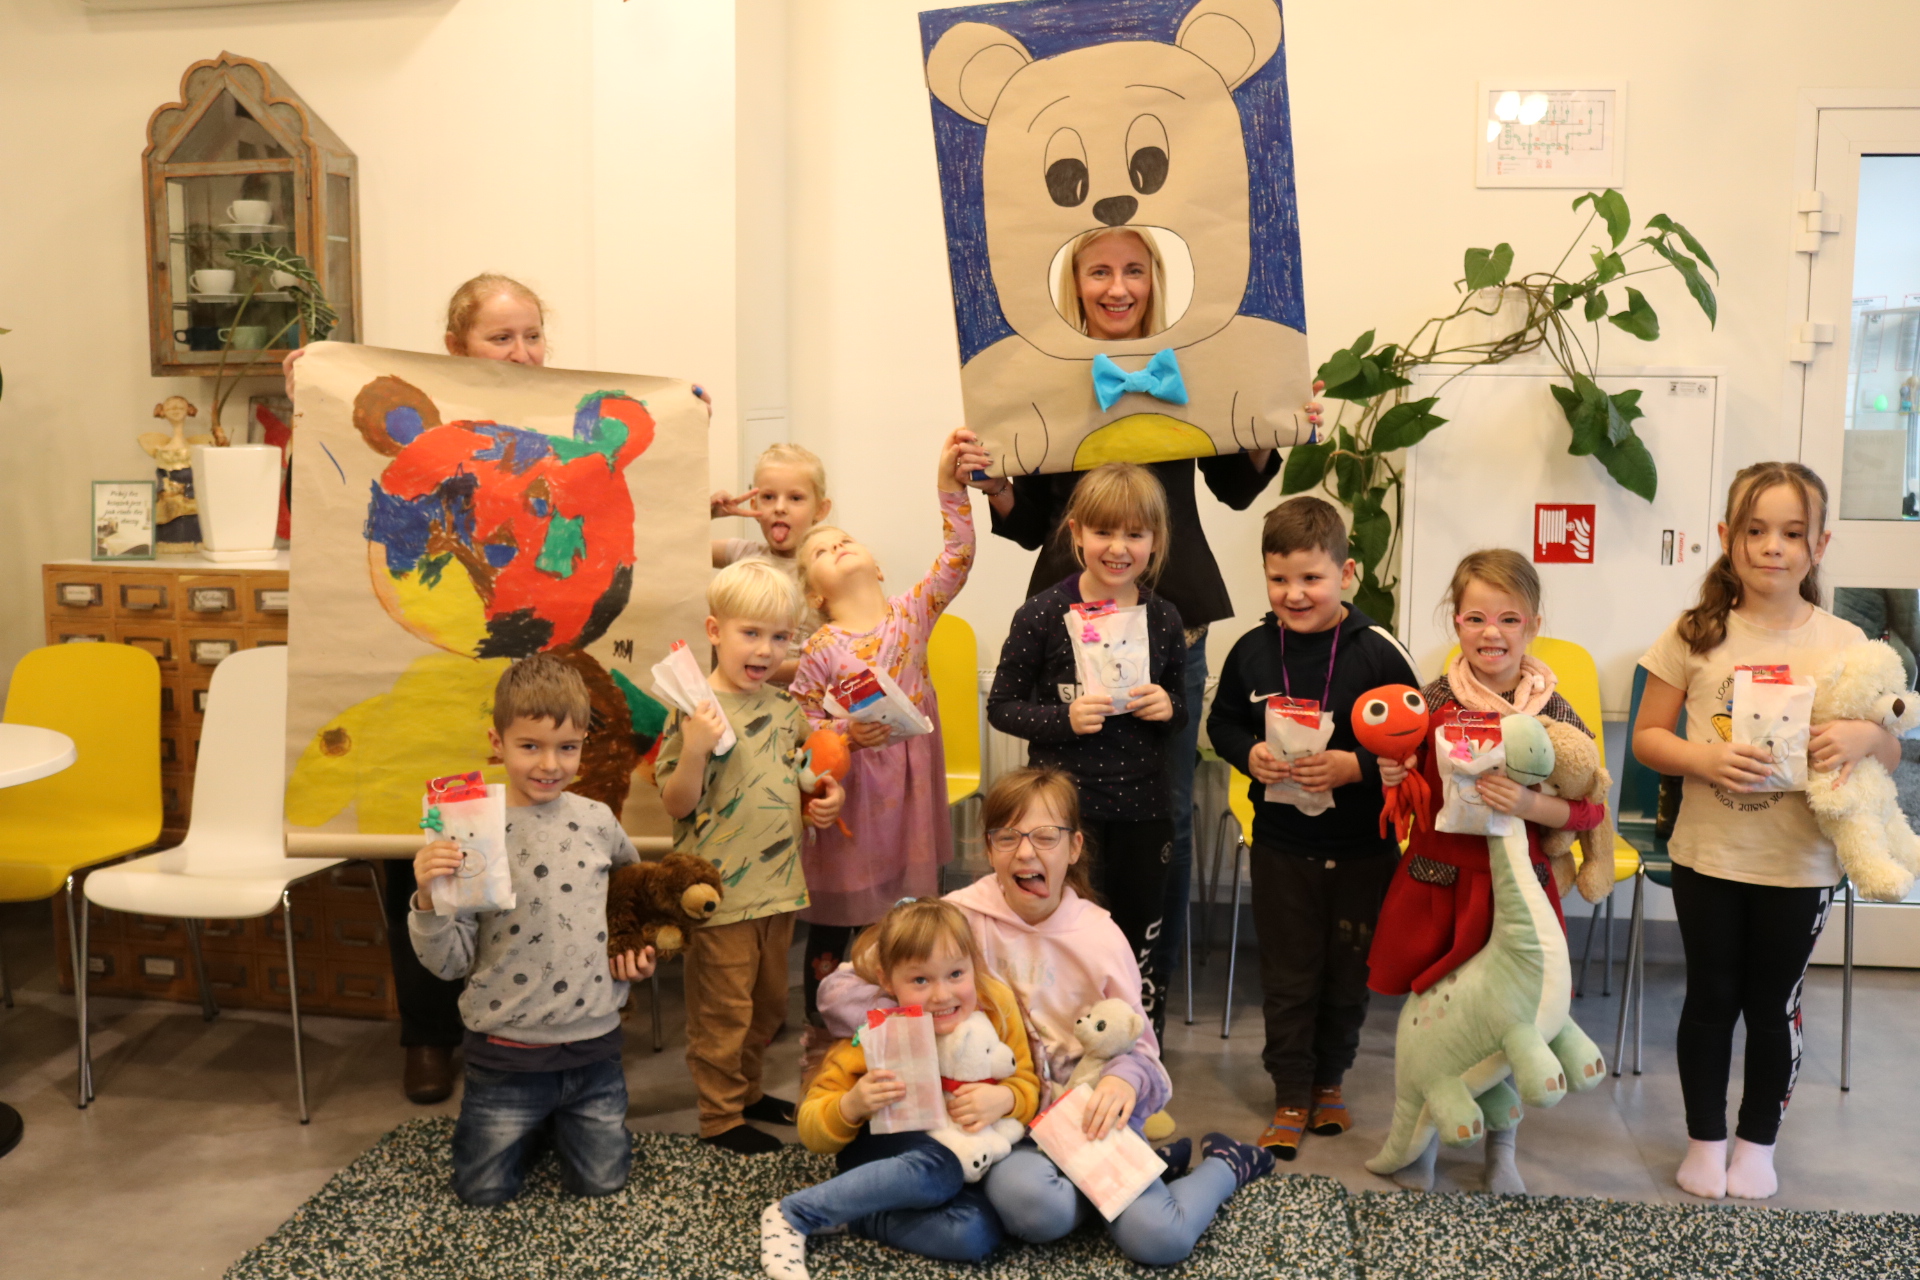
point(233, 863)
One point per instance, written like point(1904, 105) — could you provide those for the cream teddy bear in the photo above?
point(974, 1051)
point(1105, 1032)
point(1862, 817)
point(1577, 775)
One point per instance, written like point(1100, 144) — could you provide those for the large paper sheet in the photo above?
point(451, 515)
point(1054, 118)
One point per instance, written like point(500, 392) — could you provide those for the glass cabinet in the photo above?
point(241, 162)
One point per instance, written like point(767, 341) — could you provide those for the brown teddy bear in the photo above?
point(655, 904)
point(1577, 775)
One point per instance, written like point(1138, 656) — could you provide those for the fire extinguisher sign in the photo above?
point(1563, 533)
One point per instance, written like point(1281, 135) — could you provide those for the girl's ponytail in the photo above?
point(1704, 626)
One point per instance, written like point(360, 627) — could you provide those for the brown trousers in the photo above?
point(736, 1000)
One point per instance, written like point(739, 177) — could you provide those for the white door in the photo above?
point(1858, 344)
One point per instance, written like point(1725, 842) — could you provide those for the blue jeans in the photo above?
point(1037, 1204)
point(503, 1112)
point(903, 1190)
point(1182, 753)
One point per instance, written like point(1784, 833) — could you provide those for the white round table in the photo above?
point(27, 754)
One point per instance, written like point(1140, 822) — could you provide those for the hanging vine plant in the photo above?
point(1354, 463)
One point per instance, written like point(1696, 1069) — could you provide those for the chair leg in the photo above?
point(209, 1010)
point(1210, 886)
point(1586, 953)
point(77, 950)
point(379, 886)
point(1233, 937)
point(653, 992)
point(1846, 1002)
point(1637, 930)
point(293, 1000)
point(1187, 965)
point(6, 982)
point(1630, 983)
point(1606, 975)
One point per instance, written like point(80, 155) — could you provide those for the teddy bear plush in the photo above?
point(1105, 1032)
point(1577, 775)
point(974, 1051)
point(656, 904)
point(1871, 837)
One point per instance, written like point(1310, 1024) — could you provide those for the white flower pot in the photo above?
point(238, 492)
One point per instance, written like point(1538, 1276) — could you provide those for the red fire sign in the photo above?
point(1563, 533)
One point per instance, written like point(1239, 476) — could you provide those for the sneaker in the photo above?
point(1329, 1117)
point(1247, 1162)
point(1282, 1136)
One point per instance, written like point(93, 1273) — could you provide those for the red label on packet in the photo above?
point(1481, 728)
point(455, 787)
point(1094, 608)
point(1772, 673)
point(856, 690)
point(877, 1016)
point(1302, 711)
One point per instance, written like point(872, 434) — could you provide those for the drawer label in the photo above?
point(79, 595)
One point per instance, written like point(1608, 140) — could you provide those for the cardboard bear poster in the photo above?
point(1058, 124)
point(451, 515)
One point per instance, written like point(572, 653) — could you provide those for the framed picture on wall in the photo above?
point(123, 520)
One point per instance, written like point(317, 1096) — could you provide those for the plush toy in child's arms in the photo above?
point(971, 1052)
point(1577, 775)
point(1105, 1032)
point(1871, 837)
point(1390, 723)
point(656, 904)
point(823, 756)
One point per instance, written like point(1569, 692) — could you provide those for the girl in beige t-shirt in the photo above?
point(1753, 877)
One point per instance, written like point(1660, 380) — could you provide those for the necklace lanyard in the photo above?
point(1286, 680)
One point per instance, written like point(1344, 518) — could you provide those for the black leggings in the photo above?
point(429, 1006)
point(1130, 875)
point(1747, 948)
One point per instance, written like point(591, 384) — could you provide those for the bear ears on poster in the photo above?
point(1165, 119)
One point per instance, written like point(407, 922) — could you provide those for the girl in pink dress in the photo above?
point(897, 790)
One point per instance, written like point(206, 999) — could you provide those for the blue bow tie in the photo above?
point(1160, 379)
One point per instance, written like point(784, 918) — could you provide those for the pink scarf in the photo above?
point(1528, 697)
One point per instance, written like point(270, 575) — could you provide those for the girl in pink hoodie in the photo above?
point(1040, 931)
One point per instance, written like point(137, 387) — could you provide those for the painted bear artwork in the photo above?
point(454, 515)
point(1055, 120)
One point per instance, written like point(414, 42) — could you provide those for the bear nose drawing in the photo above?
point(1115, 210)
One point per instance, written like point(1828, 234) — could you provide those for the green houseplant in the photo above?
point(312, 312)
point(1354, 462)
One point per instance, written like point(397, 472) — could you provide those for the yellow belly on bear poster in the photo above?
point(1143, 438)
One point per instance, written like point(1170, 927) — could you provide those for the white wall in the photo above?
point(583, 146)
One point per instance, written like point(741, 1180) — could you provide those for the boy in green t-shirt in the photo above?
point(742, 812)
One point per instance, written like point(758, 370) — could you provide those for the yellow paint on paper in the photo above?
point(1143, 438)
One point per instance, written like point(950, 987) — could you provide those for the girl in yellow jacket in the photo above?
point(905, 1189)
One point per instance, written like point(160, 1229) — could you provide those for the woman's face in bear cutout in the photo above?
point(1115, 277)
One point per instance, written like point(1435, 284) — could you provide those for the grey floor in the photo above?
point(192, 1152)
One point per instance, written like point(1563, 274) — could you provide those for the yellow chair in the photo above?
point(1235, 821)
point(106, 697)
point(953, 659)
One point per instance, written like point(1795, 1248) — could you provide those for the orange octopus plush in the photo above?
point(1391, 722)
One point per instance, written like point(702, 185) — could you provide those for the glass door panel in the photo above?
point(215, 299)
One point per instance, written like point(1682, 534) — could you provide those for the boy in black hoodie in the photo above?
point(1318, 880)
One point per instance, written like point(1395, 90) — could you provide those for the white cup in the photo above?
point(284, 279)
point(212, 280)
point(250, 212)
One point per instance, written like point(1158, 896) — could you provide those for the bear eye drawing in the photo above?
point(1147, 154)
point(1375, 712)
point(1067, 168)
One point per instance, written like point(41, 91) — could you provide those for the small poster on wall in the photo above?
point(123, 519)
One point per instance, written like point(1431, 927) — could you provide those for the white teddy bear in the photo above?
point(1105, 1032)
point(974, 1051)
point(1876, 847)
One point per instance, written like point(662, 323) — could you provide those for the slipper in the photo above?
point(1330, 1116)
point(1282, 1136)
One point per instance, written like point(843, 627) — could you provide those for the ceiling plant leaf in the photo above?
point(1373, 598)
point(1405, 425)
point(1661, 222)
point(1690, 272)
point(1565, 295)
point(1596, 305)
point(1607, 266)
point(1488, 267)
point(1365, 341)
point(1638, 319)
point(1631, 466)
point(1306, 466)
point(1342, 367)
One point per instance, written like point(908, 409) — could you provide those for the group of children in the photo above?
point(1076, 842)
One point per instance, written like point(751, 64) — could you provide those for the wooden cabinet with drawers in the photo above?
point(191, 613)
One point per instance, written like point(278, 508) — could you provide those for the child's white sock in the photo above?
point(1503, 1178)
point(1418, 1176)
point(783, 1250)
point(1750, 1174)
point(1704, 1172)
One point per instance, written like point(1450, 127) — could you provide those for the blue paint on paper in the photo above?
point(336, 463)
point(404, 423)
point(517, 446)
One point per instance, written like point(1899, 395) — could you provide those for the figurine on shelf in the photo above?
point(176, 516)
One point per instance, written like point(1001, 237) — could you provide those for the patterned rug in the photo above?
point(693, 1211)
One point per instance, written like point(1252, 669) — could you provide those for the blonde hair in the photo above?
point(471, 296)
point(1018, 790)
point(1504, 570)
point(804, 460)
point(913, 930)
point(1127, 496)
point(756, 590)
point(541, 687)
point(1075, 312)
point(1704, 626)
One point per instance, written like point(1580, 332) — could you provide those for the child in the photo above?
point(789, 497)
point(1318, 879)
point(905, 1189)
point(901, 833)
point(1752, 876)
point(1118, 523)
point(543, 1054)
point(1439, 909)
point(742, 811)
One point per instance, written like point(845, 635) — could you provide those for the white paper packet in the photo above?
point(1298, 728)
point(1110, 650)
point(901, 1041)
point(871, 696)
point(472, 814)
point(1772, 710)
point(1111, 1172)
point(677, 678)
point(1468, 748)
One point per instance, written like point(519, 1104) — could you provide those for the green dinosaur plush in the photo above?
point(1507, 1011)
point(1529, 750)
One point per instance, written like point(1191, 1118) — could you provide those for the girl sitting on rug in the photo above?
point(905, 1189)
